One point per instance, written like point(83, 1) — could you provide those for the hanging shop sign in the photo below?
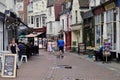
point(98, 10)
point(110, 6)
point(9, 66)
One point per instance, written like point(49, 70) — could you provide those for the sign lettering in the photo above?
point(9, 65)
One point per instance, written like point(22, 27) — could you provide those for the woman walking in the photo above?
point(49, 46)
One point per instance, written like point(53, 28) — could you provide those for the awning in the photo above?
point(33, 34)
point(22, 36)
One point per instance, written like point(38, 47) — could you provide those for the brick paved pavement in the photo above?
point(47, 67)
point(114, 65)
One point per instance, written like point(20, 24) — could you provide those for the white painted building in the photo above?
point(4, 5)
point(65, 22)
point(2, 9)
point(10, 4)
point(107, 28)
point(37, 13)
point(53, 26)
point(53, 22)
point(30, 14)
point(78, 7)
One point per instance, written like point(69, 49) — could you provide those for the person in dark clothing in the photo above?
point(31, 48)
point(99, 54)
point(36, 49)
point(13, 47)
point(28, 50)
point(21, 51)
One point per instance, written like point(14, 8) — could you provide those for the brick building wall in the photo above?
point(23, 14)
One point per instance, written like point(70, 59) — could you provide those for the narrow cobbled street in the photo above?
point(47, 67)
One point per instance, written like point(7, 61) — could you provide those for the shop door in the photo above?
point(68, 41)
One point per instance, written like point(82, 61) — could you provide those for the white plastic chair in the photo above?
point(22, 57)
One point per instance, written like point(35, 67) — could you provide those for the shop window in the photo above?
point(98, 35)
point(50, 11)
point(111, 28)
point(63, 23)
point(43, 21)
point(76, 14)
point(109, 16)
point(50, 26)
point(40, 21)
point(102, 18)
point(37, 22)
point(31, 19)
point(98, 30)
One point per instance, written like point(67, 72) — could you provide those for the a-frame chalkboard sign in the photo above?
point(9, 66)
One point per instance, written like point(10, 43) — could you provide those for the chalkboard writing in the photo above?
point(9, 65)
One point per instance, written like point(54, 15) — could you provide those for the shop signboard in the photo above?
point(98, 10)
point(87, 14)
point(110, 6)
point(81, 47)
point(9, 66)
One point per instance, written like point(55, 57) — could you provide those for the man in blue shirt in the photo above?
point(61, 45)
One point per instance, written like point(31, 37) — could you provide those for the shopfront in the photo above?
point(40, 39)
point(105, 26)
point(99, 20)
point(117, 11)
point(110, 24)
point(89, 29)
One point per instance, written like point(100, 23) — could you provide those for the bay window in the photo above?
point(111, 28)
point(98, 30)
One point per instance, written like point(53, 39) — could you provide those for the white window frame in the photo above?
point(98, 31)
point(51, 27)
point(37, 22)
point(32, 20)
point(110, 28)
point(119, 28)
point(50, 11)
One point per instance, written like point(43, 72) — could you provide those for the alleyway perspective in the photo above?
point(72, 67)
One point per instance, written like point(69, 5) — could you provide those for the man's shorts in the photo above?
point(61, 48)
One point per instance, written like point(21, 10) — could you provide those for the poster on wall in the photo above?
point(9, 66)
